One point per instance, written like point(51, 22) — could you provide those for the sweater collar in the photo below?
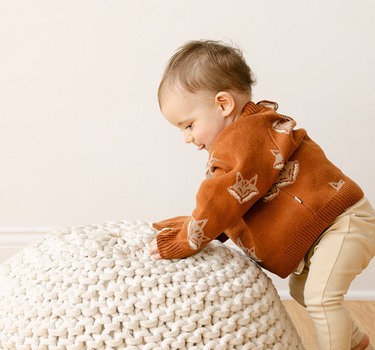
point(249, 109)
point(253, 108)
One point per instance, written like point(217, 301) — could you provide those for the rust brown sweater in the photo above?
point(270, 189)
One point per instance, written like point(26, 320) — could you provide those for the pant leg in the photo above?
point(340, 254)
point(297, 286)
point(297, 280)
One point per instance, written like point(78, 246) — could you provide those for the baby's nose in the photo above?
point(188, 138)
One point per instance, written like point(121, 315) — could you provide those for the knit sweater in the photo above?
point(269, 188)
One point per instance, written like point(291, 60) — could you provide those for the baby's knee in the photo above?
point(316, 298)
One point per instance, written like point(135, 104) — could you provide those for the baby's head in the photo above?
point(204, 88)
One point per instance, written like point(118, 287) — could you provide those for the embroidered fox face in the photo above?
point(279, 159)
point(195, 233)
point(243, 190)
point(249, 252)
point(287, 176)
point(284, 127)
point(210, 167)
point(337, 185)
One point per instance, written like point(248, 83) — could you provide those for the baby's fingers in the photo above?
point(154, 250)
point(153, 247)
point(156, 257)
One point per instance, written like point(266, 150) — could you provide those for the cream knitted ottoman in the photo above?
point(95, 287)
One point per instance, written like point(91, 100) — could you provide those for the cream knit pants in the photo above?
point(341, 253)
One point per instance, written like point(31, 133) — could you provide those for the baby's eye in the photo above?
point(188, 126)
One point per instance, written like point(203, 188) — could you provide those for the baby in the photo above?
point(269, 188)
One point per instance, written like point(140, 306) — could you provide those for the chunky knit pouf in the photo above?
point(96, 287)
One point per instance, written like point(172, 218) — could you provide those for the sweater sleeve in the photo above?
point(245, 161)
point(177, 223)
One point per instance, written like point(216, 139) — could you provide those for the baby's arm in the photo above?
point(175, 223)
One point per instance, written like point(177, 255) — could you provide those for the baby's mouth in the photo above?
point(201, 147)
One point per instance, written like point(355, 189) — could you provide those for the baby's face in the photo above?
point(199, 117)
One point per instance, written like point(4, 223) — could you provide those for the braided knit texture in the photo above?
point(96, 287)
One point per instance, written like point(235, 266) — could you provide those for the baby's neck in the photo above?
point(241, 99)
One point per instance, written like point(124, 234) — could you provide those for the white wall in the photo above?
point(81, 136)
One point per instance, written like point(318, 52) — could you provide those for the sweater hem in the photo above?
point(314, 227)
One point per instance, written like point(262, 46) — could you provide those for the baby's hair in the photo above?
point(208, 66)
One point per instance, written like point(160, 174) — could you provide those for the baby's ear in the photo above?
point(225, 101)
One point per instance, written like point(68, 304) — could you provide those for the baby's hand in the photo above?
point(154, 250)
